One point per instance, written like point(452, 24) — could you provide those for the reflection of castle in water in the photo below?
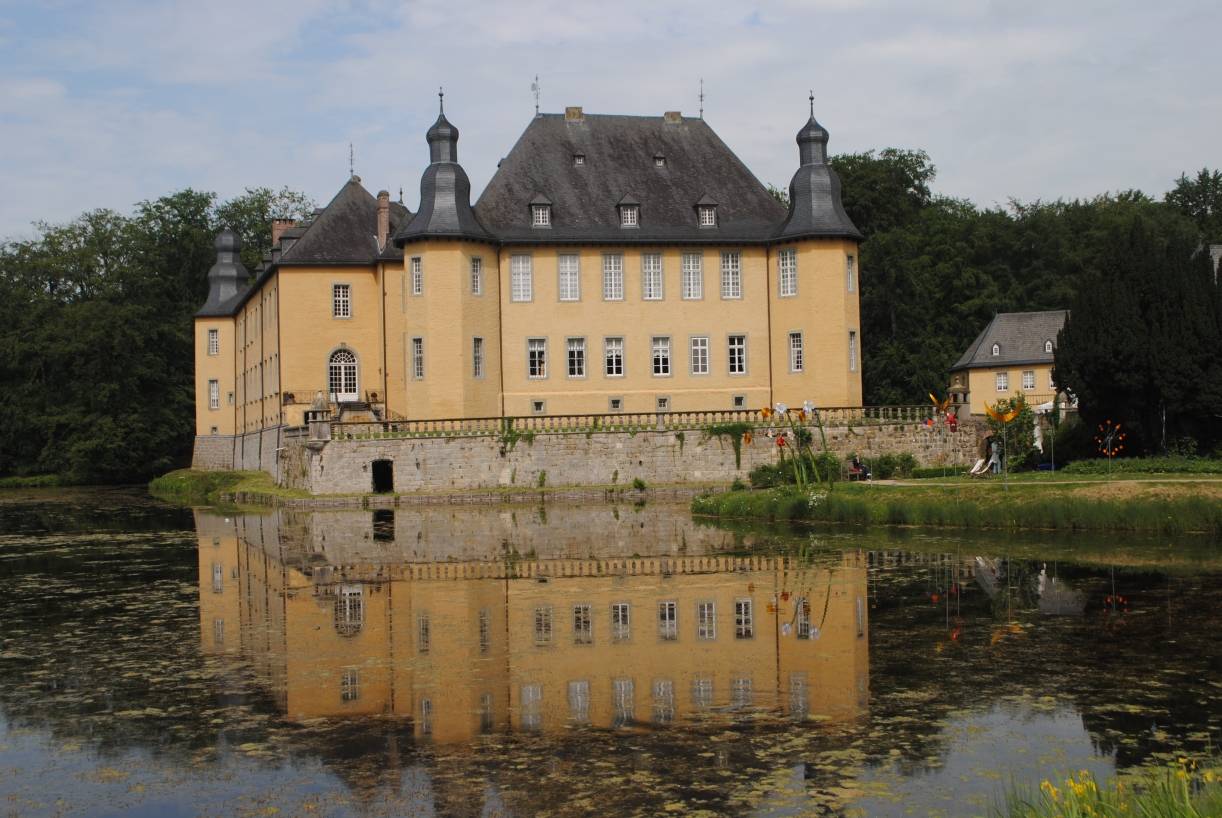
point(473, 621)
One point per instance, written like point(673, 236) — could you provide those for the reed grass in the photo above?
point(1180, 791)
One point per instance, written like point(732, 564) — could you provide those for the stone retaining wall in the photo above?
point(596, 459)
point(253, 451)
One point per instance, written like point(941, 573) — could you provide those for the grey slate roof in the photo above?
point(228, 278)
point(815, 208)
point(619, 166)
point(1021, 336)
point(445, 194)
point(344, 232)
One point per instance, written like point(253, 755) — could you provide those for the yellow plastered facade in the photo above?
point(982, 384)
point(215, 417)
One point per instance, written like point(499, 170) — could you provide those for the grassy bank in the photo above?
point(1163, 507)
point(34, 481)
point(190, 487)
point(1181, 791)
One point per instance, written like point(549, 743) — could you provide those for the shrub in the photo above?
point(949, 470)
point(766, 476)
point(1147, 465)
point(738, 485)
point(638, 484)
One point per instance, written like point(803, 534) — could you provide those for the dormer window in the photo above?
point(708, 215)
point(579, 159)
point(629, 215)
point(659, 161)
point(996, 349)
point(1048, 346)
point(541, 215)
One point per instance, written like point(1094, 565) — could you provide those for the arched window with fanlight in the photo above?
point(342, 376)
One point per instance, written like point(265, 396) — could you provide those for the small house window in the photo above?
point(615, 404)
point(1028, 379)
point(214, 394)
point(739, 402)
point(1002, 381)
point(708, 215)
point(663, 404)
point(536, 357)
point(629, 215)
point(659, 161)
point(996, 349)
point(541, 215)
point(1048, 346)
point(787, 264)
point(538, 407)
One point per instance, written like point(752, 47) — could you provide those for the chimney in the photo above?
point(383, 217)
point(278, 228)
point(573, 114)
point(673, 117)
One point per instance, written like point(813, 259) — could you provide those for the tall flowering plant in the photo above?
point(789, 427)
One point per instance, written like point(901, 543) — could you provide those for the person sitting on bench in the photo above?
point(858, 470)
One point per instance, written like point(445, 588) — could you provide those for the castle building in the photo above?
point(1013, 354)
point(612, 264)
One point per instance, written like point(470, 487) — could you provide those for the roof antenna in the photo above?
point(702, 97)
point(534, 87)
point(812, 103)
point(441, 99)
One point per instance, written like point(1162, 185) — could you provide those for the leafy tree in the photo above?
point(885, 190)
point(1018, 435)
point(1200, 199)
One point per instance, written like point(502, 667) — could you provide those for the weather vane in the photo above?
point(812, 103)
point(441, 99)
point(534, 87)
point(702, 97)
point(351, 160)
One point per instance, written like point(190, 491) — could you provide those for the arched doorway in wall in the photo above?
point(342, 377)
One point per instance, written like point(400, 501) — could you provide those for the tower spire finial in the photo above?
point(441, 100)
point(702, 97)
point(351, 161)
point(812, 103)
point(534, 87)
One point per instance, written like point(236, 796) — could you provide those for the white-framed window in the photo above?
point(418, 358)
point(541, 215)
point(663, 701)
point(417, 266)
point(477, 357)
point(736, 354)
point(861, 617)
point(621, 622)
point(579, 701)
point(424, 633)
point(579, 159)
point(629, 215)
point(349, 610)
point(341, 300)
point(613, 277)
point(485, 630)
point(996, 349)
point(668, 620)
point(662, 403)
point(787, 278)
point(214, 342)
point(802, 617)
point(350, 685)
point(731, 275)
point(521, 279)
point(613, 356)
point(477, 275)
point(623, 699)
point(539, 407)
point(799, 698)
point(486, 714)
point(744, 619)
point(543, 624)
point(218, 631)
point(218, 578)
point(1028, 379)
point(661, 355)
point(214, 394)
point(738, 402)
point(702, 692)
point(850, 272)
point(708, 215)
point(426, 717)
point(651, 276)
point(1048, 346)
point(659, 161)
point(342, 375)
point(706, 620)
point(576, 356)
point(583, 625)
point(613, 405)
point(741, 691)
point(852, 351)
point(797, 356)
point(569, 271)
point(532, 706)
point(693, 277)
point(700, 355)
point(1002, 381)
point(536, 358)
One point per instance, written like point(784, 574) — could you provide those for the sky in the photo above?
point(104, 104)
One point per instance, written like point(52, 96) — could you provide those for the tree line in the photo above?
point(96, 347)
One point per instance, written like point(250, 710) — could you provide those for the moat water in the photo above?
point(558, 660)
